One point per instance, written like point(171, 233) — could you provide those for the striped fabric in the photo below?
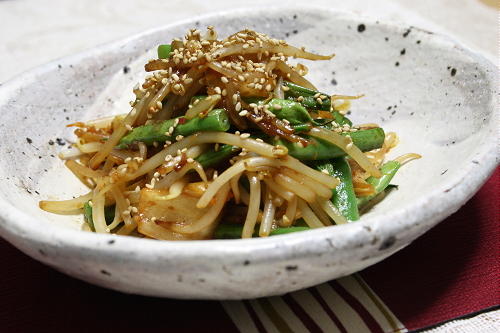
point(344, 305)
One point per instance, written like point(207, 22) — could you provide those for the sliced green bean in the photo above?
point(109, 214)
point(216, 120)
point(307, 97)
point(319, 149)
point(376, 199)
point(164, 51)
point(292, 111)
point(388, 170)
point(212, 157)
point(233, 231)
point(343, 196)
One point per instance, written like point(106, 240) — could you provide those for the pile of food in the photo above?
point(226, 140)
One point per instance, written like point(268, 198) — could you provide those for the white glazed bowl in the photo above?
point(440, 98)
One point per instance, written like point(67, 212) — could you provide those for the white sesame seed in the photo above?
point(190, 160)
point(235, 98)
point(156, 174)
point(241, 78)
point(179, 137)
point(277, 106)
point(243, 113)
point(237, 107)
point(175, 77)
point(128, 127)
point(224, 79)
point(244, 135)
point(159, 105)
point(325, 171)
point(218, 90)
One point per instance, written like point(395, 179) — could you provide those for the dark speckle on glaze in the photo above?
point(295, 32)
point(386, 39)
point(396, 64)
point(361, 27)
point(406, 33)
point(126, 69)
point(402, 52)
point(29, 140)
point(387, 243)
point(111, 241)
point(453, 71)
point(42, 252)
point(418, 41)
point(104, 272)
point(246, 262)
point(333, 82)
point(291, 267)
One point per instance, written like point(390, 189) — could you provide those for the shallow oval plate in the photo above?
point(438, 96)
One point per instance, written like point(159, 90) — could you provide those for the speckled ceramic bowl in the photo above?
point(440, 97)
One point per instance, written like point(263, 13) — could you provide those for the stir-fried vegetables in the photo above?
point(225, 139)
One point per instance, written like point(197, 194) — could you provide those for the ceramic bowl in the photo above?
point(438, 96)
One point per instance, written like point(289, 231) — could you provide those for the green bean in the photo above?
point(212, 157)
point(292, 111)
point(343, 196)
point(319, 149)
point(233, 231)
point(388, 170)
point(164, 51)
point(307, 97)
point(109, 214)
point(216, 120)
point(376, 199)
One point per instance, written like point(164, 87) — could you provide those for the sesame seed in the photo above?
point(128, 127)
point(224, 92)
point(237, 107)
point(246, 46)
point(164, 81)
point(218, 90)
point(243, 113)
point(349, 145)
point(319, 100)
point(159, 105)
point(268, 87)
point(224, 79)
point(235, 98)
point(277, 106)
point(128, 160)
point(179, 137)
point(241, 78)
point(156, 174)
point(325, 171)
point(175, 77)
point(177, 86)
point(245, 135)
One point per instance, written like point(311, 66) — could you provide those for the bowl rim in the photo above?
point(17, 223)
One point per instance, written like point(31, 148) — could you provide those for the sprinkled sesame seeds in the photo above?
point(179, 137)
